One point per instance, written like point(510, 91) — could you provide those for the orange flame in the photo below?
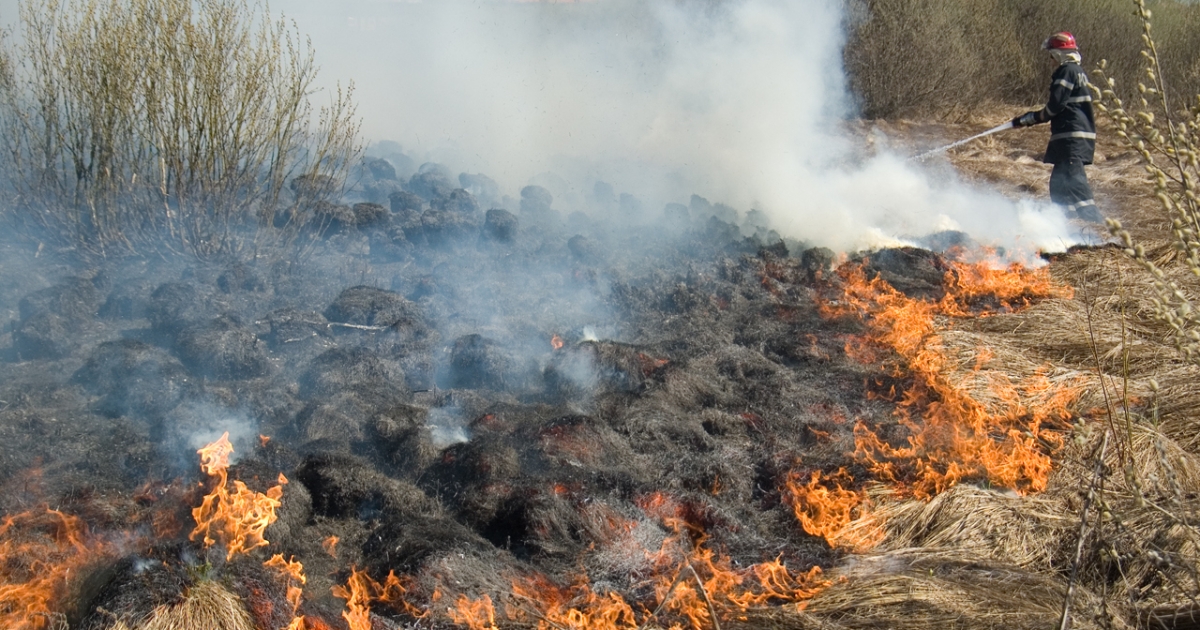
point(952, 434)
point(574, 608)
point(685, 584)
point(829, 511)
point(330, 545)
point(39, 551)
point(361, 591)
point(238, 518)
point(649, 364)
point(689, 581)
point(556, 342)
point(293, 575)
point(475, 614)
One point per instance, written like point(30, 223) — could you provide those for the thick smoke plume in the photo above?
point(739, 101)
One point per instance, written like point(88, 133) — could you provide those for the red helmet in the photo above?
point(1060, 41)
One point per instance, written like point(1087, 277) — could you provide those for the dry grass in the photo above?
point(941, 588)
point(988, 525)
point(1140, 548)
point(207, 606)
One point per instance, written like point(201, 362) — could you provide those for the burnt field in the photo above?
point(451, 414)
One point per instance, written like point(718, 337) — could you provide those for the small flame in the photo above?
point(556, 342)
point(214, 458)
point(236, 518)
point(263, 440)
point(691, 582)
point(330, 545)
point(649, 364)
point(293, 575)
point(361, 591)
point(475, 614)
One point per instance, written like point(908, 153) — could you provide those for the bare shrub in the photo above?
point(1165, 132)
point(150, 123)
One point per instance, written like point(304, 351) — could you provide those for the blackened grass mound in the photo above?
point(369, 306)
point(225, 349)
point(915, 272)
point(133, 378)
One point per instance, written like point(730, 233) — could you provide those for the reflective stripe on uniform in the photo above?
point(1086, 98)
point(1082, 204)
point(1087, 135)
point(1065, 83)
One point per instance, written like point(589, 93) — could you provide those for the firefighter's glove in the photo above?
point(1027, 119)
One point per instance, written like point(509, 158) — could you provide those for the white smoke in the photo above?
point(736, 100)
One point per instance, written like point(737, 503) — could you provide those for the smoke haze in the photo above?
point(735, 100)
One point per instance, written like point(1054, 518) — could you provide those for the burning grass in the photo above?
point(41, 552)
point(825, 507)
point(1003, 437)
point(724, 464)
point(690, 588)
point(237, 518)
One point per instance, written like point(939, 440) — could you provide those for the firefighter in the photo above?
point(1072, 129)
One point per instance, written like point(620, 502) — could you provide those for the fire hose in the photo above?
point(931, 152)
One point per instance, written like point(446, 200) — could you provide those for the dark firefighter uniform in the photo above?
point(1072, 137)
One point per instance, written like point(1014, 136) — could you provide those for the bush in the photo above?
point(922, 57)
point(128, 121)
point(1164, 129)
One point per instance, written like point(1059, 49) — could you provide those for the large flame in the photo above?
point(954, 435)
point(40, 552)
point(237, 518)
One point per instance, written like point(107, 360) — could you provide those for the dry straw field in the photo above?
point(1112, 542)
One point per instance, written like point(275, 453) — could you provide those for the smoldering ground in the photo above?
point(425, 381)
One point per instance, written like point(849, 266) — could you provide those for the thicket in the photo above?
point(136, 124)
point(931, 57)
